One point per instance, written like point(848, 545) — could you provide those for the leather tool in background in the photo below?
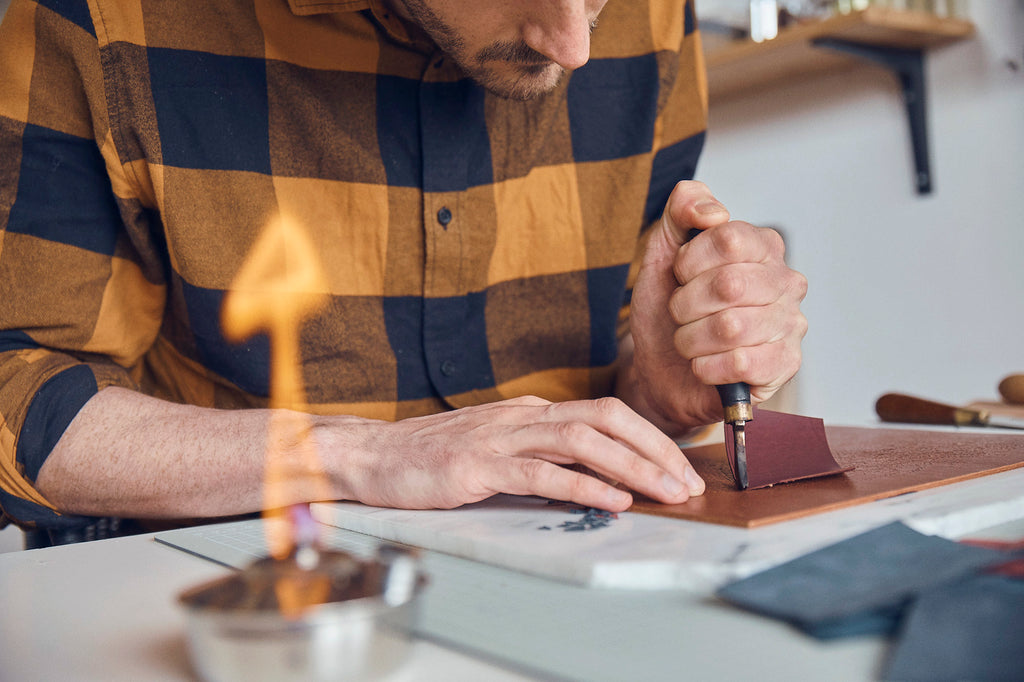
point(899, 407)
point(907, 409)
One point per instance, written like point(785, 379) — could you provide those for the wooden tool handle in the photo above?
point(1012, 389)
point(896, 407)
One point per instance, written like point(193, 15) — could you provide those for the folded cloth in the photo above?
point(970, 630)
point(860, 585)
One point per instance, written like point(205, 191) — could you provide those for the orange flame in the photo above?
point(279, 285)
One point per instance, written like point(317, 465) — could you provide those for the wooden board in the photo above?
point(888, 462)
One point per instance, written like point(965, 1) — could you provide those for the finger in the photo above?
point(735, 328)
point(766, 367)
point(613, 418)
point(691, 205)
point(733, 242)
point(581, 443)
point(532, 476)
point(731, 286)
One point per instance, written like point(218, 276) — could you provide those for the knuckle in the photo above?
point(691, 187)
point(793, 357)
point(534, 470)
point(729, 285)
point(635, 467)
point(800, 326)
point(729, 326)
point(742, 361)
point(571, 431)
point(677, 306)
point(776, 244)
point(729, 240)
point(580, 486)
point(680, 267)
point(703, 368)
point(681, 342)
point(798, 283)
point(609, 407)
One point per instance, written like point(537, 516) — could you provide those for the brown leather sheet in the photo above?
point(888, 462)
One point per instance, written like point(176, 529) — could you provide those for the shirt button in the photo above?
point(444, 216)
point(448, 368)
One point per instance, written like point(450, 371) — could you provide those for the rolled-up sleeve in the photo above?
point(78, 309)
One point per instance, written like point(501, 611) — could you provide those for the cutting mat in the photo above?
point(889, 462)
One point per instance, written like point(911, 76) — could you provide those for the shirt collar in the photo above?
point(395, 26)
point(307, 7)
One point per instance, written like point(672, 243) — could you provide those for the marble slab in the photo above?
point(644, 552)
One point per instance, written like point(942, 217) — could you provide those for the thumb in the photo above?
point(690, 206)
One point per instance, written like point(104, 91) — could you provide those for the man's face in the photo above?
point(517, 49)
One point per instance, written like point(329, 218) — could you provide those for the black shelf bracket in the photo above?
point(908, 65)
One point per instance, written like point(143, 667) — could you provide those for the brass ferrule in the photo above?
point(740, 412)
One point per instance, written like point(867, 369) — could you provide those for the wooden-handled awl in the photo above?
point(897, 407)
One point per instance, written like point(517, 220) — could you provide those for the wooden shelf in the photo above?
point(744, 66)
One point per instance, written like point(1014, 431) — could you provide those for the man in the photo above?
point(475, 177)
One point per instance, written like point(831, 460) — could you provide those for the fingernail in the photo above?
point(695, 482)
point(672, 485)
point(706, 206)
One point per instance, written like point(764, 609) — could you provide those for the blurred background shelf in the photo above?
point(744, 66)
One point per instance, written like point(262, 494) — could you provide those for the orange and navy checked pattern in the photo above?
point(475, 248)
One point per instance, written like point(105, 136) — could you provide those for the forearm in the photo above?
point(127, 454)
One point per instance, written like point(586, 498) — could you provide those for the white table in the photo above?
point(106, 611)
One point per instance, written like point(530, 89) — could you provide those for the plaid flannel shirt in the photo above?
point(474, 248)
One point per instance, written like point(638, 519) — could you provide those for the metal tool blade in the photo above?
point(1004, 422)
point(739, 438)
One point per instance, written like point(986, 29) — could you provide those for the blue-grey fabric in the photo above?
point(860, 585)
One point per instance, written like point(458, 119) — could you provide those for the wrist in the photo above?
point(344, 446)
point(632, 389)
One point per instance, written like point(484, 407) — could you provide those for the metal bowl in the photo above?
point(361, 638)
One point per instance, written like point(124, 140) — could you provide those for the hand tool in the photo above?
point(1011, 388)
point(738, 411)
point(897, 407)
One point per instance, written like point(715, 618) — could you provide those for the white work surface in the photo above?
point(106, 610)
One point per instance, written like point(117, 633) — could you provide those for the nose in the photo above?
point(560, 30)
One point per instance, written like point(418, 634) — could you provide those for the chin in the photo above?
point(523, 86)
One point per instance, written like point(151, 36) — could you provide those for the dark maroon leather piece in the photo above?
point(782, 448)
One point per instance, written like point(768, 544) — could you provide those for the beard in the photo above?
point(510, 70)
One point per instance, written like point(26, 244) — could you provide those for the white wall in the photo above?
point(917, 294)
